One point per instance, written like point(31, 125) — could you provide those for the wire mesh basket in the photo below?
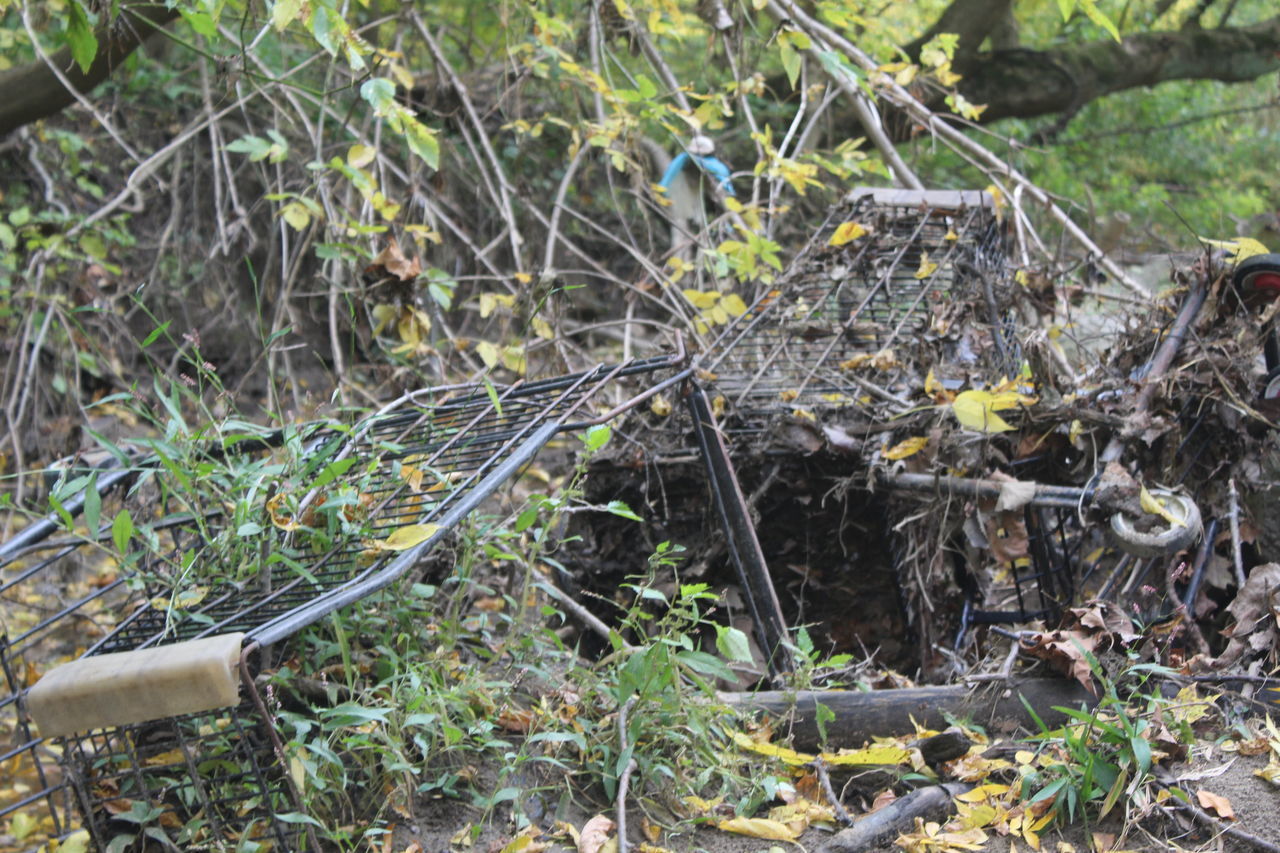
point(216, 776)
point(888, 297)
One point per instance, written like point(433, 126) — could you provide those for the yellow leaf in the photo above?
point(974, 410)
point(660, 406)
point(296, 214)
point(22, 825)
point(488, 353)
point(717, 315)
point(1241, 247)
point(184, 600)
point(782, 753)
point(1152, 504)
point(700, 299)
point(733, 305)
point(383, 314)
point(406, 537)
point(298, 771)
point(926, 268)
point(359, 156)
point(856, 362)
point(980, 793)
point(908, 447)
point(1190, 707)
point(542, 329)
point(172, 756)
point(701, 806)
point(758, 827)
point(76, 842)
point(997, 198)
point(523, 277)
point(846, 232)
point(1270, 773)
point(870, 755)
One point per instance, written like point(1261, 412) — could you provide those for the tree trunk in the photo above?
point(33, 91)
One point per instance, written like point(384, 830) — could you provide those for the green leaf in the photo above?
point(320, 30)
point(705, 664)
point(92, 504)
point(790, 62)
point(620, 509)
point(1095, 14)
point(62, 512)
point(255, 146)
point(80, 37)
point(526, 519)
point(822, 716)
point(122, 530)
point(1141, 752)
point(202, 22)
point(380, 93)
point(299, 817)
point(422, 141)
point(597, 437)
point(733, 644)
point(333, 471)
point(284, 13)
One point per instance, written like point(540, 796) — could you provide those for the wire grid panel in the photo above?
point(429, 462)
point(411, 466)
point(893, 288)
point(201, 781)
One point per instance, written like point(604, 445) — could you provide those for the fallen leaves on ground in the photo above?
point(1216, 804)
point(873, 755)
point(783, 823)
point(595, 834)
point(1083, 632)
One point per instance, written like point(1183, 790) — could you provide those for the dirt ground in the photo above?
point(1255, 801)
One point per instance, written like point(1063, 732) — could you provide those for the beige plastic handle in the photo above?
point(134, 687)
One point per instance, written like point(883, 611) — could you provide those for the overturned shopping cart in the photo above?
point(904, 292)
point(157, 732)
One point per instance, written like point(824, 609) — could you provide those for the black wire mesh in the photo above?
point(801, 346)
point(905, 295)
point(213, 779)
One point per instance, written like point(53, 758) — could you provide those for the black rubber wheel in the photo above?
point(1271, 388)
point(1260, 273)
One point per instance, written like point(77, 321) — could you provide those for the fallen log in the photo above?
point(881, 827)
point(997, 706)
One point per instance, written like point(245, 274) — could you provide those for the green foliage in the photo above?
point(1107, 756)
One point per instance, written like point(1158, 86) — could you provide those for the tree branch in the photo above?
point(1027, 83)
point(32, 91)
point(971, 20)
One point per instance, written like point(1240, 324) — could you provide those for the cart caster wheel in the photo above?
point(1258, 274)
point(1163, 540)
point(1271, 389)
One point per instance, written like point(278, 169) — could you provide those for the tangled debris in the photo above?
point(906, 392)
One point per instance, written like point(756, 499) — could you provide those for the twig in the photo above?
point(1234, 517)
point(824, 779)
point(459, 88)
point(1208, 820)
point(624, 782)
point(581, 613)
